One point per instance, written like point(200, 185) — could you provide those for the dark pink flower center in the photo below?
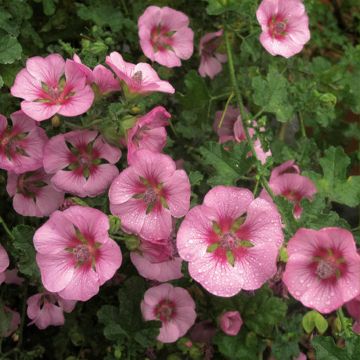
point(165, 310)
point(278, 27)
point(137, 79)
point(229, 241)
point(161, 38)
point(82, 253)
point(11, 143)
point(57, 94)
point(29, 184)
point(329, 265)
point(150, 196)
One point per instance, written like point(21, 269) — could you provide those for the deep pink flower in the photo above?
point(148, 193)
point(13, 324)
point(11, 277)
point(47, 309)
point(148, 132)
point(45, 91)
point(21, 147)
point(4, 263)
point(231, 322)
point(102, 77)
point(75, 253)
point(227, 251)
point(165, 36)
point(33, 194)
point(286, 181)
point(173, 306)
point(157, 261)
point(284, 25)
point(353, 308)
point(232, 129)
point(137, 79)
point(211, 59)
point(323, 268)
point(82, 162)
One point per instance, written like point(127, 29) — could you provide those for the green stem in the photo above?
point(22, 323)
point(7, 230)
point(244, 115)
point(302, 125)
point(225, 109)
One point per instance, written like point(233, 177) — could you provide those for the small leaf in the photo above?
point(246, 244)
point(308, 322)
point(320, 323)
point(211, 248)
point(230, 257)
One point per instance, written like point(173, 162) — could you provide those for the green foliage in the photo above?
point(10, 49)
point(326, 349)
point(313, 319)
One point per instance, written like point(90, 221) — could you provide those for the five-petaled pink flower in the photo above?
point(231, 322)
point(323, 269)
point(165, 36)
point(21, 147)
point(232, 129)
point(211, 60)
point(47, 309)
point(286, 181)
point(137, 79)
point(4, 263)
point(33, 194)
point(173, 306)
point(75, 253)
point(148, 132)
point(226, 250)
point(82, 162)
point(148, 193)
point(46, 92)
point(284, 25)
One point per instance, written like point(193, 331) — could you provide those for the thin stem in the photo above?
point(22, 323)
point(302, 125)
point(7, 230)
point(244, 116)
point(225, 109)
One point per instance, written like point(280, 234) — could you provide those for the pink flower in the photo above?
point(232, 129)
point(226, 251)
point(286, 181)
point(157, 261)
point(165, 36)
point(11, 277)
point(4, 263)
point(211, 60)
point(46, 92)
point(137, 79)
point(102, 77)
point(21, 147)
point(82, 162)
point(284, 25)
point(33, 194)
point(173, 306)
point(75, 254)
point(323, 269)
point(148, 132)
point(353, 308)
point(231, 322)
point(148, 193)
point(13, 324)
point(47, 309)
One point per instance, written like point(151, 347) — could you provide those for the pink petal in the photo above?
point(39, 111)
point(26, 86)
point(56, 154)
point(183, 43)
point(110, 153)
point(79, 103)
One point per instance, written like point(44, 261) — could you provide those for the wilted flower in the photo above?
point(173, 306)
point(165, 36)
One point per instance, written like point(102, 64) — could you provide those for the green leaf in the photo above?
point(10, 49)
point(24, 250)
point(272, 95)
point(217, 7)
point(211, 248)
point(308, 322)
point(49, 7)
point(195, 177)
point(326, 349)
point(321, 323)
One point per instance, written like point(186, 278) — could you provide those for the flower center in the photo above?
point(326, 269)
point(160, 38)
point(137, 78)
point(277, 27)
point(165, 310)
point(82, 253)
point(229, 241)
point(150, 196)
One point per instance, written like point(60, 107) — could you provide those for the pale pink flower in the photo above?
point(148, 193)
point(211, 59)
point(82, 162)
point(286, 181)
point(173, 306)
point(11, 277)
point(46, 92)
point(4, 263)
point(21, 147)
point(13, 324)
point(137, 79)
point(353, 308)
point(75, 254)
point(284, 25)
point(232, 129)
point(47, 309)
point(157, 261)
point(231, 322)
point(323, 268)
point(148, 132)
point(33, 194)
point(227, 250)
point(101, 77)
point(165, 36)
